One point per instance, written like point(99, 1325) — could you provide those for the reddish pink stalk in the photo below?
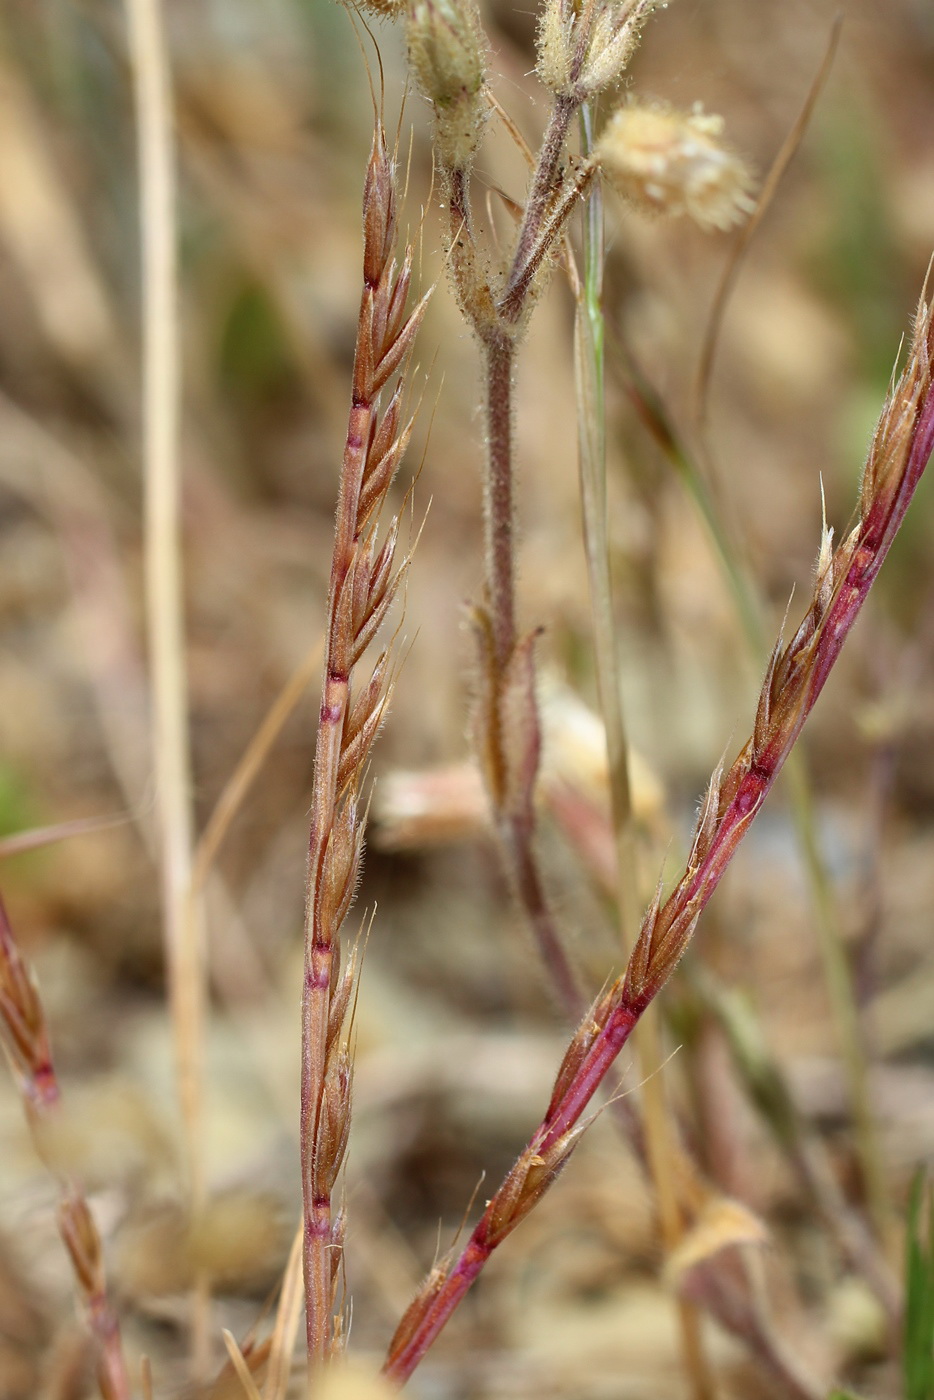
point(796, 675)
point(364, 580)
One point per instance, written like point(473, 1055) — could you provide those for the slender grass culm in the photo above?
point(337, 1251)
point(365, 578)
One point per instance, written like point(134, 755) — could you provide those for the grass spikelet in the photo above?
point(25, 1039)
point(365, 577)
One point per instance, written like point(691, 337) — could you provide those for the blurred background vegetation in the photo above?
point(457, 1037)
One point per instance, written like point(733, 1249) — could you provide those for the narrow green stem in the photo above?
point(591, 428)
point(591, 419)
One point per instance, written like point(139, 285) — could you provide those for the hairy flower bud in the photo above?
point(672, 162)
point(555, 45)
point(616, 32)
point(446, 54)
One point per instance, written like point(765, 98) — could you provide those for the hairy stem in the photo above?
point(499, 353)
point(542, 189)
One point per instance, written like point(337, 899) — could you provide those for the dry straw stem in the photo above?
point(25, 1039)
point(164, 603)
point(365, 578)
point(288, 1317)
point(249, 766)
point(796, 674)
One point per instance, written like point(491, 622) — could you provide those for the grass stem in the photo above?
point(589, 339)
point(182, 922)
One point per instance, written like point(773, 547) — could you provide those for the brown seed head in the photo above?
point(83, 1243)
point(532, 1175)
point(334, 1120)
point(23, 1030)
point(379, 211)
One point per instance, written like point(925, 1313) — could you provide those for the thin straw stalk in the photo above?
point(364, 582)
point(795, 676)
point(288, 1317)
point(162, 546)
point(165, 625)
point(249, 766)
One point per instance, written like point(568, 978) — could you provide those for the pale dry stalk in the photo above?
point(365, 578)
point(795, 676)
point(25, 1039)
point(162, 551)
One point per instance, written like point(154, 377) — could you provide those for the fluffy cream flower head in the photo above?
point(671, 162)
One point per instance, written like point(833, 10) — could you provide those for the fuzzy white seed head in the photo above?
point(671, 162)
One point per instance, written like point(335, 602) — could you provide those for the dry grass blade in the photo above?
point(288, 1316)
point(748, 231)
point(39, 836)
point(240, 1366)
point(251, 762)
point(165, 625)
